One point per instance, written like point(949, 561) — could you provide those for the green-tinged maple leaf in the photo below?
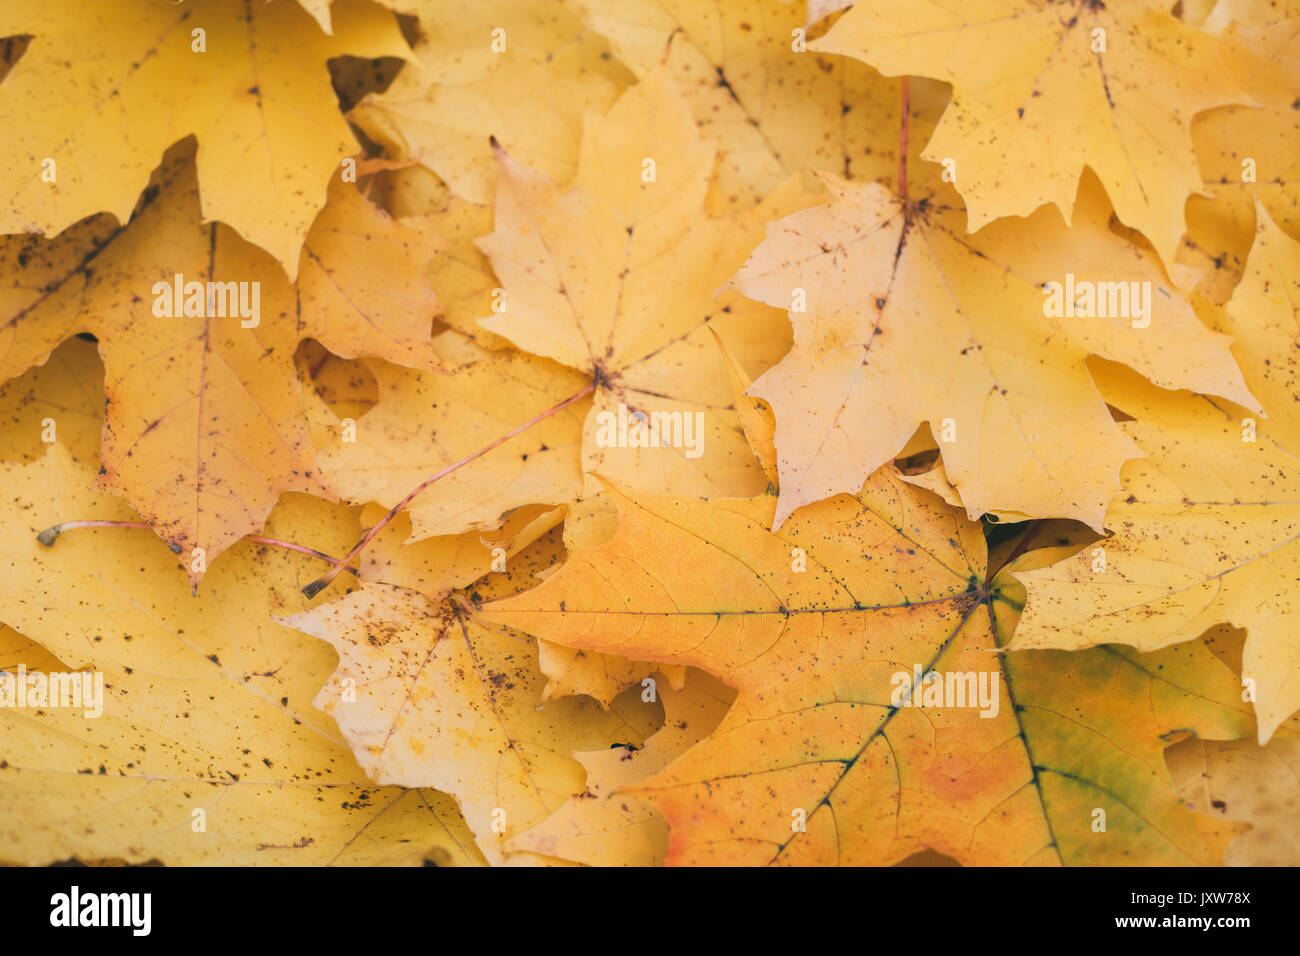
point(819, 627)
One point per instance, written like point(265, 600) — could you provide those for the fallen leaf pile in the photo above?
point(650, 432)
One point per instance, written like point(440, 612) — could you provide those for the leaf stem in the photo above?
point(322, 582)
point(902, 141)
point(48, 536)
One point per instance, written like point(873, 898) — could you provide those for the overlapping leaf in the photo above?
point(103, 91)
point(616, 276)
point(1113, 87)
point(901, 318)
point(603, 826)
point(815, 763)
point(1239, 780)
point(206, 702)
point(577, 181)
point(1205, 529)
point(426, 421)
point(521, 71)
point(771, 106)
point(204, 428)
point(1247, 153)
point(439, 700)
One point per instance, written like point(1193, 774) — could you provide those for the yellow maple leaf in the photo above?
point(771, 106)
point(206, 750)
point(443, 701)
point(902, 318)
point(426, 421)
point(1248, 153)
point(616, 276)
point(256, 96)
point(1112, 87)
point(203, 427)
point(1204, 529)
point(521, 71)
